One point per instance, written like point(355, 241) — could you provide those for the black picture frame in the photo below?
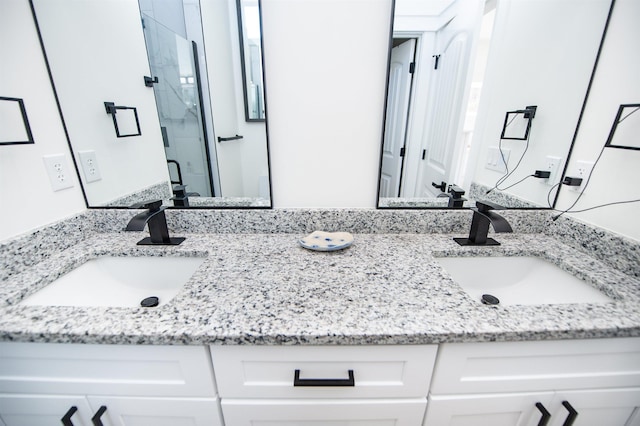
point(620, 117)
point(25, 122)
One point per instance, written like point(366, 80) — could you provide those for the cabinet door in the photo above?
point(491, 409)
point(42, 410)
point(611, 407)
point(501, 367)
point(325, 412)
point(123, 411)
point(130, 370)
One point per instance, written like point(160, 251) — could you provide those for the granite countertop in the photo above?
point(266, 289)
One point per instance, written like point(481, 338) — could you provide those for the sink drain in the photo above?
point(489, 299)
point(150, 302)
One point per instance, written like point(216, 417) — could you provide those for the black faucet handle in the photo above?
point(485, 206)
point(456, 191)
point(152, 205)
point(180, 190)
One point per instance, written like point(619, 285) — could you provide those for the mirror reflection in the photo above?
point(251, 56)
point(457, 70)
point(179, 64)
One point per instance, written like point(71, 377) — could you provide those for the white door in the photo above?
point(611, 407)
point(517, 409)
point(127, 411)
point(43, 410)
point(446, 111)
point(395, 128)
point(345, 412)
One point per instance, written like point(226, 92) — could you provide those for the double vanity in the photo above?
point(259, 330)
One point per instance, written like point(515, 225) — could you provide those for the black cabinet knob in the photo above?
point(545, 414)
point(96, 417)
point(572, 414)
point(66, 419)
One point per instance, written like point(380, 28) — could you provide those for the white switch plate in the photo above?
point(494, 159)
point(89, 164)
point(59, 171)
point(551, 164)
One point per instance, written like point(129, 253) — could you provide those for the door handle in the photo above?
point(297, 381)
point(441, 187)
point(572, 414)
point(96, 417)
point(66, 419)
point(545, 414)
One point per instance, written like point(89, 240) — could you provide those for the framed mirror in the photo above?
point(457, 70)
point(249, 30)
point(178, 64)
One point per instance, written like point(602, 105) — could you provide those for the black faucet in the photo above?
point(157, 221)
point(482, 217)
point(455, 195)
point(180, 196)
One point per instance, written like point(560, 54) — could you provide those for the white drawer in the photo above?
point(105, 369)
point(325, 412)
point(269, 371)
point(533, 366)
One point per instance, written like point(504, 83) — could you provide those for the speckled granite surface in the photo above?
point(479, 192)
point(266, 289)
point(229, 202)
point(158, 191)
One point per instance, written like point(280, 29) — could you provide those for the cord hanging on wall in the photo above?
point(126, 123)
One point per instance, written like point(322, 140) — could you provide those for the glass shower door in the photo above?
point(177, 92)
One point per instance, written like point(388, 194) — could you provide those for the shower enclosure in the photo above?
point(178, 93)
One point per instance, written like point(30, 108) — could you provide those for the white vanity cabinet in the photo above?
point(333, 385)
point(136, 385)
point(501, 383)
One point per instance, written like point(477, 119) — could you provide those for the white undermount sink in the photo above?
point(519, 280)
point(118, 281)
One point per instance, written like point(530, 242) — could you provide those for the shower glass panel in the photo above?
point(177, 92)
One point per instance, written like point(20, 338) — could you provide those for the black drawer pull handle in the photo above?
point(66, 419)
point(572, 414)
point(297, 381)
point(96, 417)
point(545, 414)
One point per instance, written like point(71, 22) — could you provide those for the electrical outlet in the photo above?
point(581, 170)
point(551, 164)
point(89, 165)
point(58, 171)
point(495, 161)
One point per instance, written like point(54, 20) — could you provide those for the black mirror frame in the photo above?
point(571, 146)
point(243, 63)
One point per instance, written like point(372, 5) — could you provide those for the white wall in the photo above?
point(617, 175)
point(542, 53)
point(325, 67)
point(26, 198)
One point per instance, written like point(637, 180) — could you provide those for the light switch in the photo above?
point(495, 161)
